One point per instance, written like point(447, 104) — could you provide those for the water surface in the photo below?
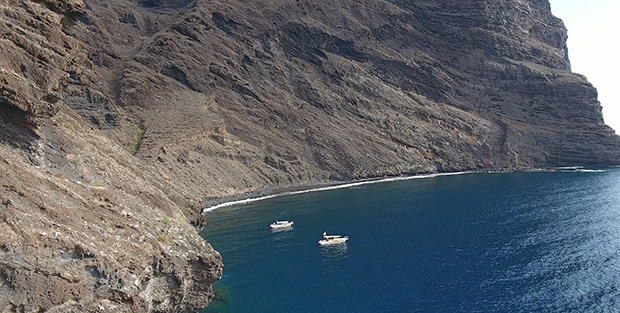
point(510, 242)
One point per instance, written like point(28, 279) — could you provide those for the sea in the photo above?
point(466, 242)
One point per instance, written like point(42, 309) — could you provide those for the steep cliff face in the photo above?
point(276, 92)
point(84, 226)
point(117, 117)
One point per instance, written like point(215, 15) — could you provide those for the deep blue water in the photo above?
point(509, 242)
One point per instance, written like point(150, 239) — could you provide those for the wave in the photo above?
point(332, 187)
point(580, 169)
point(591, 171)
point(569, 168)
point(583, 169)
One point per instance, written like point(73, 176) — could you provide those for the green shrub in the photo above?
point(137, 134)
point(163, 237)
point(69, 126)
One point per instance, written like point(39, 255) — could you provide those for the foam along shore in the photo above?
point(330, 187)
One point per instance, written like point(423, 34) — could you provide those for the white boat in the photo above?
point(281, 224)
point(332, 239)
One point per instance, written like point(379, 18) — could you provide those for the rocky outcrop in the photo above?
point(117, 117)
point(68, 245)
point(83, 226)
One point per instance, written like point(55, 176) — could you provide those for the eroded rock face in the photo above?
point(36, 54)
point(313, 90)
point(81, 246)
point(83, 227)
point(117, 117)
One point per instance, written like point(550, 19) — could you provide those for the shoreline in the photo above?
point(255, 196)
point(215, 203)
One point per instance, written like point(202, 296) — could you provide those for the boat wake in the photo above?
point(334, 253)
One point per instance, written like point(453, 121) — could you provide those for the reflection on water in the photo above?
point(515, 242)
point(333, 253)
point(282, 235)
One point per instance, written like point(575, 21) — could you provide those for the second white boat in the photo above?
point(333, 239)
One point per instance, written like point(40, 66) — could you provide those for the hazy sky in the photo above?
point(593, 32)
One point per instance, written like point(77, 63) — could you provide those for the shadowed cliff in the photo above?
point(118, 117)
point(280, 92)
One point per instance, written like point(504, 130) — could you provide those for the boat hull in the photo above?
point(281, 226)
point(334, 241)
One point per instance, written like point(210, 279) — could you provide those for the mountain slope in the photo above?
point(124, 115)
point(313, 90)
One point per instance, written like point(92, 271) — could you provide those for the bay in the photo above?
point(502, 242)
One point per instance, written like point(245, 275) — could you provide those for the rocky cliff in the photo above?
point(117, 117)
point(84, 225)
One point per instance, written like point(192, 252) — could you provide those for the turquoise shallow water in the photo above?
point(510, 242)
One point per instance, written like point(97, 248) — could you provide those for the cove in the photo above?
point(504, 242)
